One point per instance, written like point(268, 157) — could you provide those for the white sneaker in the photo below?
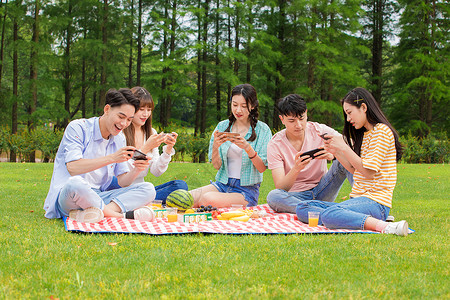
point(390, 219)
point(144, 213)
point(398, 228)
point(88, 215)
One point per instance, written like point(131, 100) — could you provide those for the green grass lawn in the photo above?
point(39, 259)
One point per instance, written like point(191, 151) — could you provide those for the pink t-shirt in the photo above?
point(281, 154)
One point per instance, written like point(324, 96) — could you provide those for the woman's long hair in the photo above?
point(251, 99)
point(353, 136)
point(145, 99)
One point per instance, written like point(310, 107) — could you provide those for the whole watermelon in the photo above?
point(181, 199)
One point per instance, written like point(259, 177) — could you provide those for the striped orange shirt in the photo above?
point(378, 153)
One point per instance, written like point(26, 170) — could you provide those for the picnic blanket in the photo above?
point(272, 223)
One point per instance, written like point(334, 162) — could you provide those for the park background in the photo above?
point(58, 59)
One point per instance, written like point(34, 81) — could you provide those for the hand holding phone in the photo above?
point(324, 137)
point(229, 135)
point(138, 155)
point(311, 153)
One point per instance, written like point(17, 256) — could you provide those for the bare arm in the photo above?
point(347, 157)
point(256, 160)
point(286, 181)
point(153, 142)
point(170, 140)
point(86, 165)
point(127, 178)
point(218, 141)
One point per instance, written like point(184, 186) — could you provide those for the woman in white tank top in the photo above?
point(141, 135)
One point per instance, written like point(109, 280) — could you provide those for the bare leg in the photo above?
point(197, 194)
point(112, 210)
point(218, 199)
point(374, 224)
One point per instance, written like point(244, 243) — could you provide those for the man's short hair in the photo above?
point(122, 96)
point(292, 105)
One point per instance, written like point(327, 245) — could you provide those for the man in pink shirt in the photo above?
point(300, 177)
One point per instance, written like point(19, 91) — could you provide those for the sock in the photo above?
point(129, 215)
point(380, 226)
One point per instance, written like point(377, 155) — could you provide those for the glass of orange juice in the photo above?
point(313, 218)
point(156, 204)
point(172, 214)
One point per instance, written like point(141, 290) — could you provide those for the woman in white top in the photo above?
point(141, 135)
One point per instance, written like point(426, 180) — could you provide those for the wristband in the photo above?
point(256, 153)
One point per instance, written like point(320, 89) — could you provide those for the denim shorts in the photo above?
point(250, 193)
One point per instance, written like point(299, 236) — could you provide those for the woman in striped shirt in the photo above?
point(370, 152)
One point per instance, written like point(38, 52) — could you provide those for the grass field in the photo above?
point(39, 259)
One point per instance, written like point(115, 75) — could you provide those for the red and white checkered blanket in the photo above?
point(272, 223)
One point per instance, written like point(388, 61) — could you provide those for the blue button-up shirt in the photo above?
point(82, 139)
point(249, 174)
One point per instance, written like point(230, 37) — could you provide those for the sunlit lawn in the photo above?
point(39, 259)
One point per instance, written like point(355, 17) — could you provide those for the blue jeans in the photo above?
point(77, 194)
point(162, 190)
point(326, 190)
point(350, 214)
point(250, 193)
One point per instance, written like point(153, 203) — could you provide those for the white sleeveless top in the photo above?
point(234, 156)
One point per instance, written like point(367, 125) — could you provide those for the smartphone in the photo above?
point(230, 135)
point(323, 136)
point(310, 153)
point(138, 155)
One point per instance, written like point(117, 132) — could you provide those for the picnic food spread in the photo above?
point(209, 213)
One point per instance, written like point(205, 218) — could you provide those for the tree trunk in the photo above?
point(94, 101)
point(130, 60)
point(103, 71)
point(279, 66)
point(204, 59)
point(12, 155)
point(2, 46)
point(33, 74)
point(139, 49)
point(377, 48)
point(311, 80)
point(83, 82)
point(171, 57)
point(249, 37)
point(236, 40)
point(83, 88)
point(217, 32)
point(163, 102)
point(432, 46)
point(66, 83)
point(230, 45)
point(199, 75)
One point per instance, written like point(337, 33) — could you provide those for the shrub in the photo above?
point(199, 148)
point(21, 144)
point(47, 141)
point(4, 139)
point(434, 148)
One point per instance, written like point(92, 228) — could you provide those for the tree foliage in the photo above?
point(189, 54)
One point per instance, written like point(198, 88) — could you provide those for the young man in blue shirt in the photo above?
point(91, 153)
